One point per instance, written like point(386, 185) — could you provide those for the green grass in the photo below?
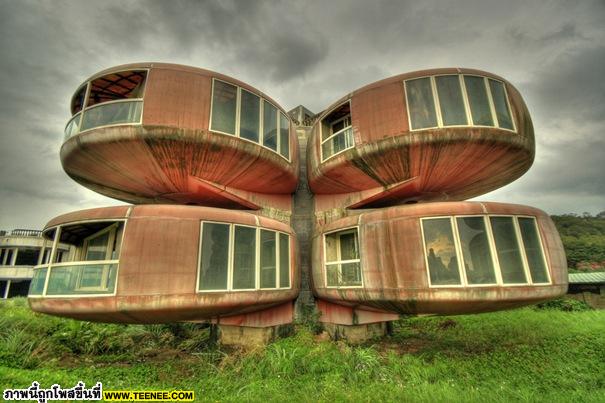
point(522, 355)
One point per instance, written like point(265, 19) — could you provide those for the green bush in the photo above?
point(565, 304)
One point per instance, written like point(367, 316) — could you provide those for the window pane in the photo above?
point(267, 259)
point(284, 136)
point(82, 279)
point(351, 274)
point(97, 247)
point(476, 252)
point(507, 247)
point(451, 101)
point(332, 275)
point(500, 104)
point(348, 246)
point(420, 103)
point(250, 116)
point(244, 258)
point(441, 251)
point(533, 250)
point(338, 143)
point(215, 257)
point(224, 100)
point(270, 126)
point(112, 114)
point(477, 98)
point(284, 260)
point(332, 247)
point(36, 287)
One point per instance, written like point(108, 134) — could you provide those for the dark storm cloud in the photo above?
point(309, 52)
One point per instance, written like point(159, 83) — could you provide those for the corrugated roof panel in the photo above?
point(581, 278)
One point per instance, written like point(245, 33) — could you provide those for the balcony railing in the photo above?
point(25, 232)
point(75, 278)
point(105, 114)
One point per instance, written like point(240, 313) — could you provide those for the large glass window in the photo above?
point(478, 101)
point(508, 250)
point(234, 256)
point(269, 126)
point(462, 100)
point(224, 105)
point(214, 259)
point(420, 102)
point(249, 126)
point(259, 120)
point(342, 260)
point(336, 131)
point(489, 254)
point(501, 104)
point(533, 250)
point(476, 253)
point(451, 100)
point(441, 254)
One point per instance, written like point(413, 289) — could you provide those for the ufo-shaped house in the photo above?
point(225, 158)
point(391, 164)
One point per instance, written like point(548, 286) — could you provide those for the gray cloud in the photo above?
point(310, 52)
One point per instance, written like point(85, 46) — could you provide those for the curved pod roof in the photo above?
point(437, 134)
point(440, 258)
point(153, 133)
point(169, 263)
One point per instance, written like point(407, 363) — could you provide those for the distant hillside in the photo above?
point(584, 240)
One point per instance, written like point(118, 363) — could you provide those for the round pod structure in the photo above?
point(440, 258)
point(432, 135)
point(168, 263)
point(163, 133)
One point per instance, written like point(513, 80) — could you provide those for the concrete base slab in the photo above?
point(250, 337)
point(356, 334)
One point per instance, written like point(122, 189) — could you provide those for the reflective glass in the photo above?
point(533, 250)
point(112, 114)
point(284, 136)
point(441, 251)
point(269, 126)
point(224, 105)
point(507, 247)
point(421, 105)
point(249, 116)
point(36, 287)
point(284, 260)
point(478, 101)
point(500, 104)
point(268, 259)
point(244, 258)
point(97, 247)
point(82, 279)
point(214, 259)
point(478, 263)
point(450, 100)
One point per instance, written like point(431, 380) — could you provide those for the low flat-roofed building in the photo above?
point(588, 287)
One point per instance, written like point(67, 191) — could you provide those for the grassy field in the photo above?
point(523, 355)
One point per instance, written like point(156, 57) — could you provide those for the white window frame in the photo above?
point(55, 248)
point(354, 229)
point(261, 135)
point(85, 108)
point(493, 251)
point(466, 103)
point(332, 135)
point(231, 255)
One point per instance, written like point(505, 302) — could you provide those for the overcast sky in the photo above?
point(310, 53)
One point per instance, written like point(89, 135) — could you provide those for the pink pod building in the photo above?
point(233, 221)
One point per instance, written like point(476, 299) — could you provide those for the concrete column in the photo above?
point(8, 286)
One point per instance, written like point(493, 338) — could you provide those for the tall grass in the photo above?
point(522, 355)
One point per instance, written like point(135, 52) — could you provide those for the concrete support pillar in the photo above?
point(250, 337)
point(6, 290)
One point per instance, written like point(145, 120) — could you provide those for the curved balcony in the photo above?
point(165, 263)
point(444, 134)
point(440, 258)
point(159, 133)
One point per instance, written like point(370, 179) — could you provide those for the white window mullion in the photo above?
point(277, 261)
point(436, 101)
point(52, 257)
point(492, 107)
point(467, 104)
point(522, 248)
point(230, 257)
point(492, 245)
point(257, 267)
point(238, 110)
point(458, 248)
